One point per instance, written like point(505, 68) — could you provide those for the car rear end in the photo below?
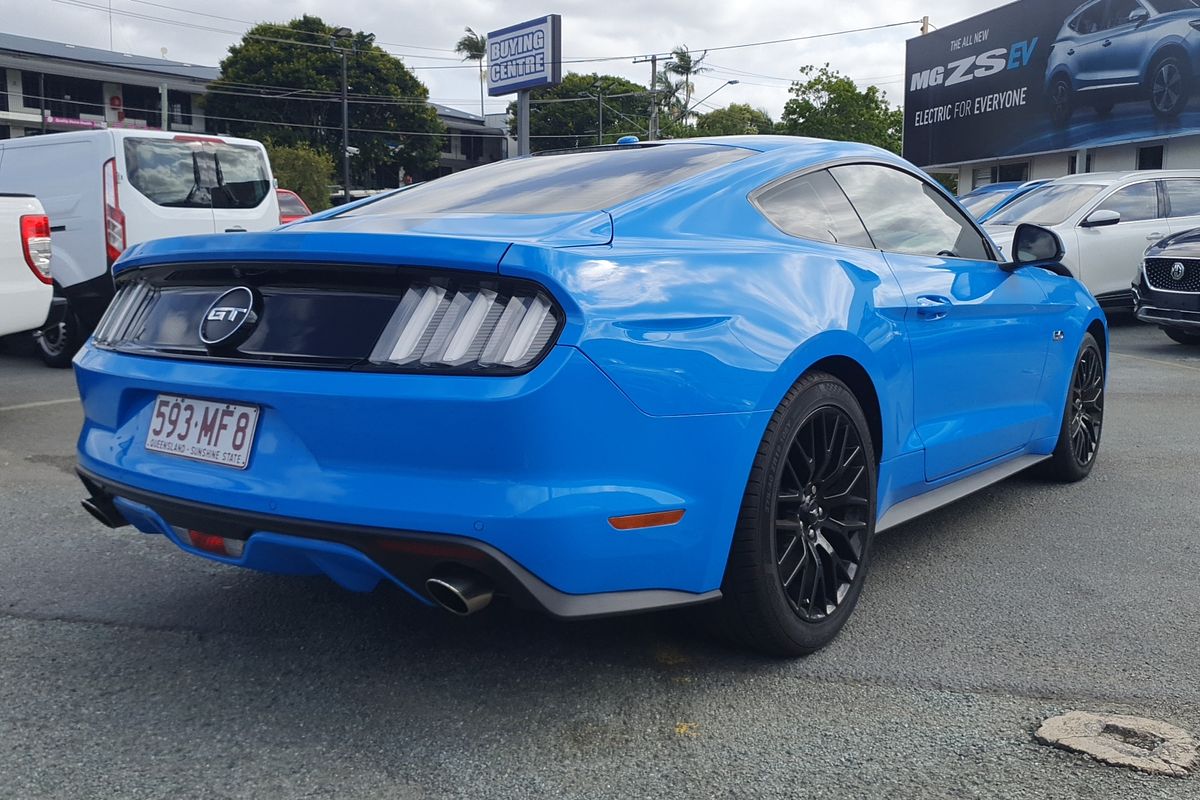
point(26, 286)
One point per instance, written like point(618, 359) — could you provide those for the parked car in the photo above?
point(598, 382)
point(25, 253)
point(291, 206)
point(105, 190)
point(1166, 291)
point(986, 201)
point(1114, 50)
point(1106, 221)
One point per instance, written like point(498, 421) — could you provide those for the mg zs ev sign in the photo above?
point(230, 319)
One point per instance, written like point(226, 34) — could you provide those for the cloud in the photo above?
point(609, 29)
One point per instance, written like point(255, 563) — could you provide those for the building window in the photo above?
point(180, 106)
point(447, 144)
point(1013, 172)
point(64, 96)
point(142, 103)
point(981, 177)
point(1150, 157)
point(5, 132)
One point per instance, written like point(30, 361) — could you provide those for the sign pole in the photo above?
point(523, 122)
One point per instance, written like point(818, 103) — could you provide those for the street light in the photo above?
point(689, 110)
point(341, 34)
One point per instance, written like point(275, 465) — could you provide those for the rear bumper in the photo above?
point(359, 558)
point(24, 307)
point(528, 469)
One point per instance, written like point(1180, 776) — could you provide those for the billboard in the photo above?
point(525, 56)
point(1039, 76)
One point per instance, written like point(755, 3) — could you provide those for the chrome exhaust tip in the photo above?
point(461, 594)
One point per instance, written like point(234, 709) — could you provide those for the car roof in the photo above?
point(1113, 178)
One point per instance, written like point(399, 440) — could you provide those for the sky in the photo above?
point(423, 34)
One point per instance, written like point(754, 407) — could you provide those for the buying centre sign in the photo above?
point(525, 56)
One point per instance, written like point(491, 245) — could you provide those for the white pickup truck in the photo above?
point(26, 288)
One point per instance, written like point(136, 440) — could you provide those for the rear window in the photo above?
point(558, 182)
point(197, 174)
point(980, 204)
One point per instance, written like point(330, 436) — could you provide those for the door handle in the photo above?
point(235, 229)
point(933, 307)
point(1154, 237)
point(1106, 43)
point(1071, 52)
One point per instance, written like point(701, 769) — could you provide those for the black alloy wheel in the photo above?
point(1083, 419)
point(802, 546)
point(1182, 336)
point(820, 514)
point(1169, 87)
point(1060, 101)
point(1087, 406)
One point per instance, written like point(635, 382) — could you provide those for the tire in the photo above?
point(1083, 418)
point(829, 513)
point(1182, 336)
point(1061, 101)
point(57, 344)
point(1170, 86)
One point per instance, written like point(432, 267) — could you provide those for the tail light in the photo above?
point(114, 218)
point(493, 328)
point(35, 243)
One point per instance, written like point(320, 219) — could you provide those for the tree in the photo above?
point(473, 47)
point(305, 171)
point(683, 64)
point(391, 122)
point(567, 115)
point(734, 120)
point(829, 105)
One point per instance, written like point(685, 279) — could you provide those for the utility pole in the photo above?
point(165, 105)
point(652, 134)
point(523, 122)
point(924, 25)
point(345, 134)
point(600, 116)
point(42, 98)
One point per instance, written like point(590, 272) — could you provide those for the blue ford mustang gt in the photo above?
point(599, 381)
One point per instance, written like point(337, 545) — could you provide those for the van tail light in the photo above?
point(35, 243)
point(114, 218)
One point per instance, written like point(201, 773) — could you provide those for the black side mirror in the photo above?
point(1035, 246)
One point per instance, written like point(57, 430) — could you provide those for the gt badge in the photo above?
point(230, 319)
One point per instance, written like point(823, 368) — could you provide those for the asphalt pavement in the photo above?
point(128, 669)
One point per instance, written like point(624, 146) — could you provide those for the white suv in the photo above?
point(1106, 221)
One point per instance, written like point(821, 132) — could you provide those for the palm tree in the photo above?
point(685, 65)
point(473, 47)
point(667, 91)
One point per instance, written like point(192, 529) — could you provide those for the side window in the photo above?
point(1119, 11)
point(1090, 20)
point(1134, 203)
point(1185, 197)
point(904, 214)
point(813, 207)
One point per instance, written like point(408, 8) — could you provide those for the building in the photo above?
point(1046, 88)
point(51, 86)
point(470, 140)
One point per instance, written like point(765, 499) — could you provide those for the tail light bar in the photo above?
point(490, 328)
point(114, 218)
point(35, 244)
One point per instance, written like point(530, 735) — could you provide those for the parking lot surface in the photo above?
point(128, 669)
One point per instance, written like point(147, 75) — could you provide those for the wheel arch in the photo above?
point(1097, 329)
point(856, 377)
point(1164, 49)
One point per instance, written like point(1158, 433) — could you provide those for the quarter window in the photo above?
point(1185, 197)
point(1134, 203)
point(903, 214)
point(814, 207)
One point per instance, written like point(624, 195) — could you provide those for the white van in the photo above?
point(106, 190)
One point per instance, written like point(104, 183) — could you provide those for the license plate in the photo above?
point(219, 433)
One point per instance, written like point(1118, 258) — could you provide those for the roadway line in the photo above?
point(1139, 358)
point(40, 404)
